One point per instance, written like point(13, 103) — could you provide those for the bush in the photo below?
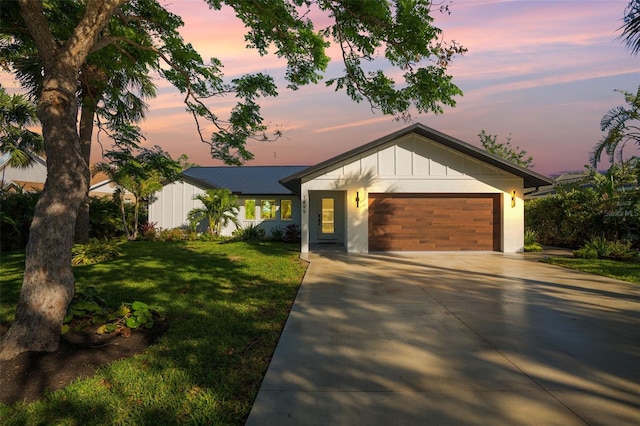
point(105, 218)
point(292, 233)
point(530, 236)
point(585, 253)
point(277, 234)
point(532, 247)
point(600, 247)
point(148, 231)
point(249, 233)
point(206, 237)
point(95, 251)
point(622, 250)
point(531, 241)
point(16, 213)
point(173, 234)
point(567, 218)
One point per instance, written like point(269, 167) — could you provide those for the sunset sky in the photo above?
point(543, 71)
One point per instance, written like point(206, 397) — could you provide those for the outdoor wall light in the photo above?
point(513, 198)
point(357, 199)
point(304, 204)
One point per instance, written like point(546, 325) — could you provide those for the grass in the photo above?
point(625, 271)
point(226, 304)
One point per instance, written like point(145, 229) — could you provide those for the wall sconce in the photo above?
point(513, 198)
point(304, 204)
point(357, 199)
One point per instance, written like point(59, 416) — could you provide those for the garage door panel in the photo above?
point(428, 222)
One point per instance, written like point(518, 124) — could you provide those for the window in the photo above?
point(268, 209)
point(250, 209)
point(285, 210)
point(327, 216)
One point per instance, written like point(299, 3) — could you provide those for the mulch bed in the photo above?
point(29, 375)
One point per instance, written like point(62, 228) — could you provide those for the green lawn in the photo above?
point(226, 304)
point(626, 271)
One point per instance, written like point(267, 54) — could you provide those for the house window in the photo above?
point(250, 209)
point(268, 209)
point(285, 210)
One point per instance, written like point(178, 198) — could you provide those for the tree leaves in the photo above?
point(16, 113)
point(622, 124)
point(505, 150)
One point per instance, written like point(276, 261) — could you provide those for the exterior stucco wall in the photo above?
point(414, 164)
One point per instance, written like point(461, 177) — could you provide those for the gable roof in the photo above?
point(246, 180)
point(4, 159)
point(531, 178)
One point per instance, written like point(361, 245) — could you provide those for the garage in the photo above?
point(434, 222)
point(416, 190)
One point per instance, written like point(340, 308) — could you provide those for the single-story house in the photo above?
point(414, 190)
point(28, 179)
point(33, 177)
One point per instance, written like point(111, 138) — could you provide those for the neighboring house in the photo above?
point(32, 178)
point(102, 186)
point(570, 178)
point(28, 179)
point(414, 190)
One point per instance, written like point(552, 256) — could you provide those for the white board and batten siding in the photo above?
point(416, 164)
point(170, 206)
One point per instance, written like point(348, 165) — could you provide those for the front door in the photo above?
point(326, 216)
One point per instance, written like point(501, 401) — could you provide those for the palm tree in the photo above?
point(622, 125)
point(16, 114)
point(219, 208)
point(631, 27)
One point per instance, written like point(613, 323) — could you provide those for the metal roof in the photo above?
point(249, 180)
point(531, 178)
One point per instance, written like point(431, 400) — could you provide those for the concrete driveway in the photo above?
point(454, 339)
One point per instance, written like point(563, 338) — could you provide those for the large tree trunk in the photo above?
point(48, 284)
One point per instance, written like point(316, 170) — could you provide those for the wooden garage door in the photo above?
point(434, 222)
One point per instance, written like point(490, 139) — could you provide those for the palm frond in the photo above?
point(631, 27)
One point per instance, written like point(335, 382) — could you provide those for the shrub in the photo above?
point(277, 233)
point(249, 233)
point(532, 247)
point(206, 237)
point(292, 233)
point(600, 245)
point(531, 241)
point(16, 213)
point(173, 234)
point(148, 231)
point(599, 248)
point(95, 251)
point(622, 250)
point(105, 220)
point(585, 253)
point(530, 236)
